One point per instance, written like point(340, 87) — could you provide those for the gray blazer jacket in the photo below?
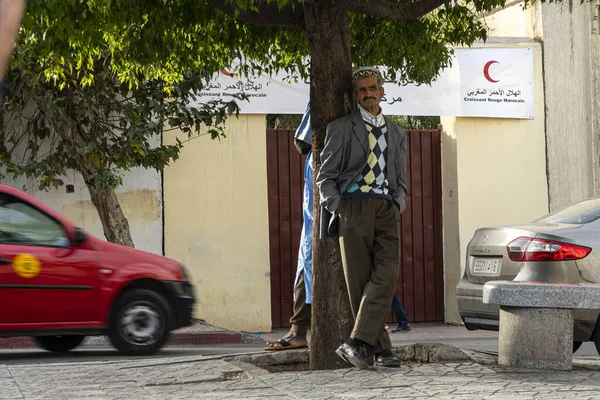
point(345, 156)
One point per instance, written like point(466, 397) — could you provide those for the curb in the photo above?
point(183, 338)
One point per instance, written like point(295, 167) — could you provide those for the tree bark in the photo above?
point(328, 36)
point(114, 223)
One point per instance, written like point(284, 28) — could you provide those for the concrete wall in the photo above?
point(140, 197)
point(567, 76)
point(513, 21)
point(571, 80)
point(595, 87)
point(509, 22)
point(494, 173)
point(216, 223)
point(592, 9)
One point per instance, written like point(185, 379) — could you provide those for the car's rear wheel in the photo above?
point(140, 322)
point(58, 344)
point(576, 345)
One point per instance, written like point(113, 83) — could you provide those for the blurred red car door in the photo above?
point(44, 278)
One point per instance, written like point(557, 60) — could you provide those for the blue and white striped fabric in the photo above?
point(303, 133)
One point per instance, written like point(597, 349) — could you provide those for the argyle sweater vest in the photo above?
point(373, 182)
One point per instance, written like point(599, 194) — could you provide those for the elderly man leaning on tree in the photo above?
point(362, 184)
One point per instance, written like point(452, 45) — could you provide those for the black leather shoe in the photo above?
point(354, 355)
point(387, 358)
point(405, 328)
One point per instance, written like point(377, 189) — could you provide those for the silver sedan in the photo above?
point(563, 246)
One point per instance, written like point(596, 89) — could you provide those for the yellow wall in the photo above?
point(500, 176)
point(216, 223)
point(451, 220)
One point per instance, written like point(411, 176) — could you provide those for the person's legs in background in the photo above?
point(300, 321)
point(295, 338)
point(398, 310)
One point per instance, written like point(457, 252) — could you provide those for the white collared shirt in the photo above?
point(377, 121)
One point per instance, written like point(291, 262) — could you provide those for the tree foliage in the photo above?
point(93, 84)
point(161, 39)
point(104, 77)
point(144, 39)
point(102, 129)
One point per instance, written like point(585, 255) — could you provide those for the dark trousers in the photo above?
point(399, 312)
point(370, 247)
point(301, 318)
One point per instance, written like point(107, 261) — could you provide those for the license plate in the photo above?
point(486, 266)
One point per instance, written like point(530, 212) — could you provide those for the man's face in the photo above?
point(368, 93)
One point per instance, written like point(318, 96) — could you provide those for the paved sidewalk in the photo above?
point(213, 378)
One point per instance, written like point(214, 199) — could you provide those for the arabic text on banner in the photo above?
point(485, 82)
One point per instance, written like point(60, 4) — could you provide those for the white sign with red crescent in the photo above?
point(486, 70)
point(482, 82)
point(496, 82)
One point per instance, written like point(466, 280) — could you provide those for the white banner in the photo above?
point(496, 82)
point(483, 82)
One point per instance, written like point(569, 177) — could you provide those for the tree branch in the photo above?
point(292, 14)
point(112, 127)
point(391, 11)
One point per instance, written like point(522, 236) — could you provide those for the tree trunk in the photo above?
point(114, 223)
point(330, 77)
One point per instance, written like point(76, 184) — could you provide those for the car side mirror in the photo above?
point(79, 236)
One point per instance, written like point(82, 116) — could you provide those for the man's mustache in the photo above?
point(370, 98)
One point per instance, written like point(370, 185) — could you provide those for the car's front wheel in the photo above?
point(58, 344)
point(140, 322)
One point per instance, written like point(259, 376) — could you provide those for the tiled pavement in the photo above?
point(193, 377)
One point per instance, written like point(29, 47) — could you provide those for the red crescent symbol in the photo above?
point(486, 70)
point(225, 72)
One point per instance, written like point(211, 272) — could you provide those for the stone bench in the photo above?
point(536, 321)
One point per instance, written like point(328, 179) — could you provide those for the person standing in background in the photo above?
point(300, 321)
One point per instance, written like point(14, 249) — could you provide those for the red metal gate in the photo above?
point(420, 285)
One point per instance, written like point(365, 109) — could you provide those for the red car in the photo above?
point(59, 284)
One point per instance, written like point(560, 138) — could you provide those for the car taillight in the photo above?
point(530, 249)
